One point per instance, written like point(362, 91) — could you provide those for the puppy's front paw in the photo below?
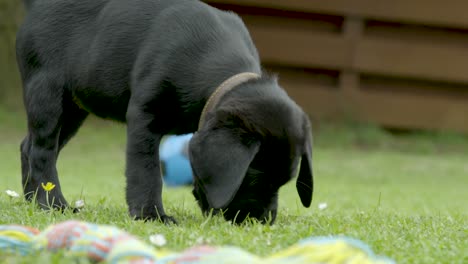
point(153, 216)
point(50, 200)
point(168, 220)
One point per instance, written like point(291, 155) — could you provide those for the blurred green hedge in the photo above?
point(11, 15)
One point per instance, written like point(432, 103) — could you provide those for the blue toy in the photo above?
point(173, 153)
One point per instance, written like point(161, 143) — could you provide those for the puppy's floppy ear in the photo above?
point(219, 161)
point(305, 180)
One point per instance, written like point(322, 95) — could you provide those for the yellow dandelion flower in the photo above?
point(48, 186)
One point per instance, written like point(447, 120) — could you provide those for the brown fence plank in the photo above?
point(412, 59)
point(386, 103)
point(383, 107)
point(430, 12)
point(413, 111)
point(300, 48)
point(318, 101)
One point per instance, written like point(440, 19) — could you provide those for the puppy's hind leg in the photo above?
point(73, 118)
point(43, 102)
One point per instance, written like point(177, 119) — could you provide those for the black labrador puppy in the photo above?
point(157, 65)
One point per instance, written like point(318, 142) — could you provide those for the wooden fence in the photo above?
point(399, 63)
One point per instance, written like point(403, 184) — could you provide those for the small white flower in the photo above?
point(158, 240)
point(200, 240)
point(322, 206)
point(203, 241)
point(79, 204)
point(12, 193)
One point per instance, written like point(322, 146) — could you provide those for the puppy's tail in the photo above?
point(28, 3)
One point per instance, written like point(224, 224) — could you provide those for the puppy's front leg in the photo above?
point(144, 182)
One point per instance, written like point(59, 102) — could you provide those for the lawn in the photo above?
point(406, 196)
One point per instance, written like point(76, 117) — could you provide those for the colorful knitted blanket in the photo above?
point(102, 243)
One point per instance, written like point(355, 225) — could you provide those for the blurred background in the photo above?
point(11, 15)
point(399, 64)
point(386, 84)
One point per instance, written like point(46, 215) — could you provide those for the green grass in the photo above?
point(405, 196)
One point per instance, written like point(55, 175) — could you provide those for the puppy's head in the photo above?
point(254, 142)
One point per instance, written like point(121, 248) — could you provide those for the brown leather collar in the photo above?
point(225, 87)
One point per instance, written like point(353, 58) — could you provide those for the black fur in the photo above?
point(153, 64)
